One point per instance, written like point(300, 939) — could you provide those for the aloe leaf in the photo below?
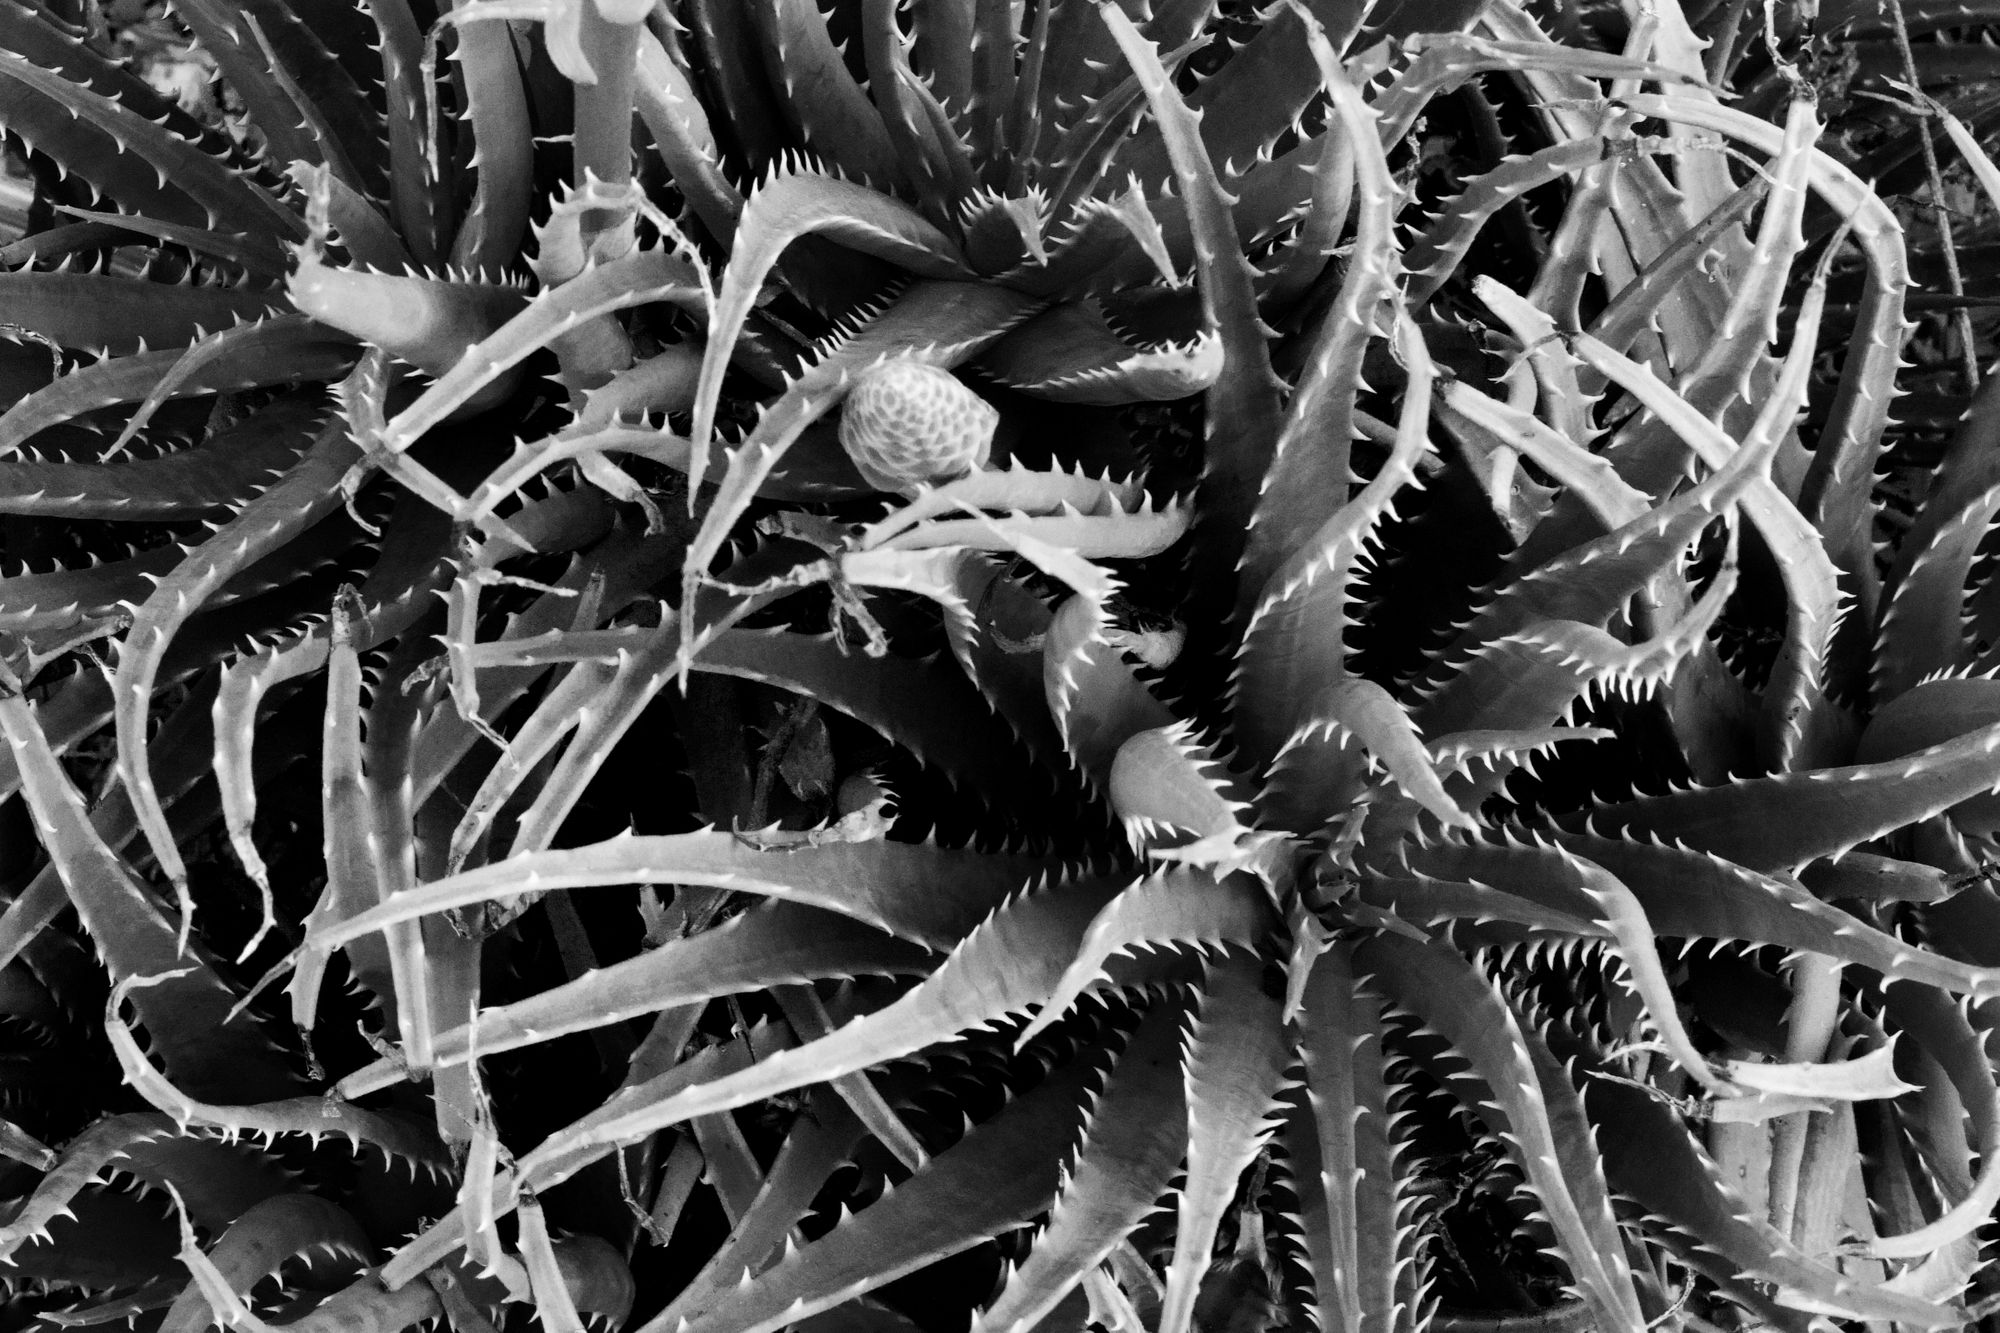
point(1612, 501)
point(101, 313)
point(1959, 1047)
point(778, 944)
point(818, 1144)
point(1292, 670)
point(1783, 821)
point(347, 817)
point(1165, 783)
point(941, 46)
point(809, 1020)
point(1017, 489)
point(428, 322)
point(186, 1019)
point(996, 30)
point(1097, 703)
point(1134, 1136)
point(1004, 232)
point(1445, 60)
point(230, 1309)
point(601, 139)
point(257, 263)
point(1798, 718)
point(995, 625)
point(1472, 766)
point(305, 105)
point(314, 1117)
point(1535, 328)
point(1011, 962)
point(409, 570)
point(878, 691)
point(1290, 277)
point(1649, 1157)
point(367, 1305)
point(1077, 52)
point(41, 37)
point(1694, 895)
point(283, 349)
point(1983, 169)
point(154, 1295)
point(1343, 1156)
point(629, 563)
point(107, 1241)
point(646, 1084)
point(1924, 17)
point(1573, 887)
point(1929, 714)
point(586, 442)
point(1592, 581)
point(1070, 354)
point(675, 117)
point(790, 205)
point(258, 1243)
point(745, 101)
point(1673, 271)
point(1866, 1078)
point(1242, 406)
point(1437, 252)
point(83, 1157)
point(661, 383)
point(202, 353)
point(929, 895)
point(1864, 877)
point(394, 716)
point(1248, 104)
point(473, 365)
point(1076, 538)
point(592, 1277)
point(203, 482)
point(342, 216)
point(413, 181)
point(44, 249)
point(553, 1306)
point(219, 1181)
point(1834, 492)
point(820, 97)
point(1529, 681)
point(1174, 908)
point(1272, 200)
point(1430, 903)
point(496, 109)
point(177, 769)
point(923, 140)
point(1309, 476)
point(1922, 630)
point(563, 709)
point(995, 1178)
point(1234, 1063)
point(306, 493)
point(1732, 372)
point(1093, 248)
point(227, 200)
point(1534, 1099)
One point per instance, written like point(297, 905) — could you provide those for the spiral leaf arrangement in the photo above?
point(1248, 737)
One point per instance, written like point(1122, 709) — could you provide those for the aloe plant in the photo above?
point(1373, 777)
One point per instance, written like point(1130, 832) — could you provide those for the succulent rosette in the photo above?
point(1225, 663)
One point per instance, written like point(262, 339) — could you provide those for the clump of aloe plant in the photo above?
point(590, 706)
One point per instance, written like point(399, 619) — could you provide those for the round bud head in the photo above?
point(907, 423)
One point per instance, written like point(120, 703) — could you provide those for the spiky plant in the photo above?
point(1283, 987)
